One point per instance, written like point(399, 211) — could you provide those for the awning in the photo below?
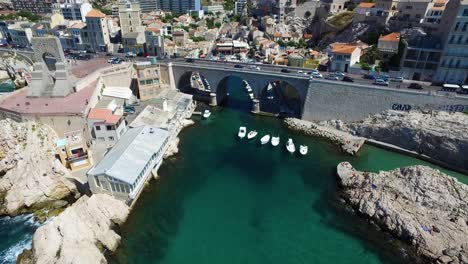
point(118, 92)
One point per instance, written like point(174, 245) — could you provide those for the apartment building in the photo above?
point(74, 9)
point(96, 33)
point(35, 6)
point(343, 56)
point(453, 66)
point(179, 6)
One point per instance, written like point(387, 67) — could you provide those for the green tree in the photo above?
point(218, 24)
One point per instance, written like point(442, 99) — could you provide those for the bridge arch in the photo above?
point(246, 86)
point(193, 82)
point(281, 97)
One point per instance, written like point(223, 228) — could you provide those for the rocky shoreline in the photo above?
point(442, 136)
point(32, 178)
point(349, 143)
point(421, 206)
point(80, 234)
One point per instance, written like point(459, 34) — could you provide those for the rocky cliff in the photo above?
point(440, 135)
point(30, 176)
point(80, 234)
point(420, 205)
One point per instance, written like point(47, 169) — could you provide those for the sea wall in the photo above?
point(328, 100)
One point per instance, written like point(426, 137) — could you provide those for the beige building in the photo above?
point(148, 77)
point(389, 43)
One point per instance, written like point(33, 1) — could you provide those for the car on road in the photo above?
point(316, 75)
point(338, 73)
point(130, 55)
point(381, 82)
point(189, 60)
point(238, 66)
point(332, 77)
point(369, 77)
point(347, 79)
point(397, 79)
point(111, 60)
point(117, 61)
point(415, 86)
point(300, 72)
point(83, 56)
point(285, 70)
point(129, 109)
point(314, 71)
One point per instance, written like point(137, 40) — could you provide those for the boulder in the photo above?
point(31, 177)
point(419, 205)
point(80, 234)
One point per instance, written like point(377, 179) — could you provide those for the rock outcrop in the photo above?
point(440, 135)
point(31, 177)
point(420, 205)
point(80, 234)
point(349, 143)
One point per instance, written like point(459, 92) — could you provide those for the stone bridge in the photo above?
point(217, 74)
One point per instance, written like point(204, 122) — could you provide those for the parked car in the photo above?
point(238, 66)
point(381, 82)
point(369, 77)
point(338, 73)
point(189, 60)
point(397, 79)
point(314, 71)
point(347, 79)
point(130, 55)
point(300, 72)
point(416, 86)
point(316, 75)
point(129, 109)
point(117, 61)
point(83, 56)
point(332, 77)
point(111, 60)
point(285, 70)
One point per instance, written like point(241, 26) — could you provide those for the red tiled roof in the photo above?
point(392, 37)
point(342, 48)
point(95, 13)
point(366, 5)
point(105, 115)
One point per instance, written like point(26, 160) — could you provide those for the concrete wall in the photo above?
point(352, 102)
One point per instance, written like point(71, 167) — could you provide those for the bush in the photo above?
point(365, 66)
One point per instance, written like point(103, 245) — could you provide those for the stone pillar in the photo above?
point(213, 101)
point(255, 106)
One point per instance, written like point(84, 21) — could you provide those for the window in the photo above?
point(97, 182)
point(457, 26)
point(460, 39)
point(111, 138)
point(109, 128)
point(464, 26)
point(409, 7)
point(112, 186)
point(465, 12)
point(142, 82)
point(101, 139)
point(458, 64)
point(149, 81)
point(98, 127)
point(451, 39)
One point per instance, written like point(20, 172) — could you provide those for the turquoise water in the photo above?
point(225, 200)
point(15, 236)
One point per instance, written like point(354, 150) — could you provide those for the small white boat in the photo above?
point(265, 139)
point(206, 114)
point(242, 132)
point(290, 146)
point(251, 96)
point(303, 150)
point(275, 141)
point(248, 89)
point(252, 134)
point(270, 97)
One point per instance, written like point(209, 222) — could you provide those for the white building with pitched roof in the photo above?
point(124, 170)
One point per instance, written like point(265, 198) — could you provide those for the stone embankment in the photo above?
point(441, 136)
point(174, 143)
point(31, 177)
point(80, 234)
point(419, 205)
point(349, 143)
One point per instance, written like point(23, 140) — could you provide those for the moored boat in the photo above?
point(206, 114)
point(275, 141)
point(265, 139)
point(290, 146)
point(242, 132)
point(252, 134)
point(303, 150)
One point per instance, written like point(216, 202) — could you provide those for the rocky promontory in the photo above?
point(419, 205)
point(349, 143)
point(31, 178)
point(439, 135)
point(79, 234)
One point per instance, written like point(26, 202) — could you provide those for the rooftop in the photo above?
point(73, 104)
point(105, 115)
point(343, 48)
point(131, 153)
point(95, 13)
point(392, 37)
point(366, 5)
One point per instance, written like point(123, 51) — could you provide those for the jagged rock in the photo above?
point(32, 178)
point(409, 202)
point(80, 234)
